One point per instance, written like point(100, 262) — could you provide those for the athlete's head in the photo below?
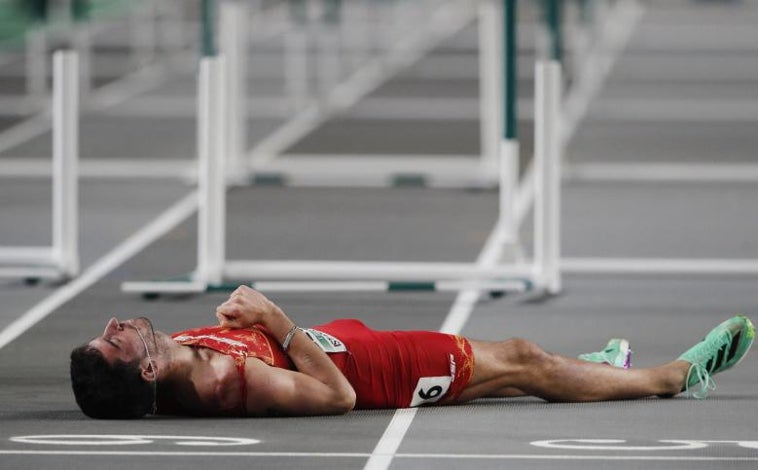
point(114, 375)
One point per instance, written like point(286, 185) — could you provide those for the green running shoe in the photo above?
point(617, 353)
point(723, 348)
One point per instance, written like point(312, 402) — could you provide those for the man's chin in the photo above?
point(145, 325)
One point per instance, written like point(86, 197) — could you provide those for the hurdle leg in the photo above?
point(233, 33)
point(490, 80)
point(547, 160)
point(65, 162)
point(509, 146)
point(211, 177)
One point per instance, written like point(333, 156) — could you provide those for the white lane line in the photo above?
point(385, 450)
point(460, 311)
point(663, 458)
point(127, 249)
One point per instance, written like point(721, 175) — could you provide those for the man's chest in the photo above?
point(218, 382)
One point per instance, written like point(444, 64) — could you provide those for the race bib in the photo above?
point(327, 343)
point(430, 390)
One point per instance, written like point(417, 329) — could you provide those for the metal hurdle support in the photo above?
point(547, 160)
point(61, 260)
point(214, 271)
point(233, 39)
point(508, 142)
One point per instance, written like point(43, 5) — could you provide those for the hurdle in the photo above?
point(270, 163)
point(214, 272)
point(267, 161)
point(61, 260)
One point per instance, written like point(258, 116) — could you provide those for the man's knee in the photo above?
point(523, 352)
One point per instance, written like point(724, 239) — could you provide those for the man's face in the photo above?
point(121, 341)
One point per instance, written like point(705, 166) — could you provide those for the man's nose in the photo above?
point(112, 326)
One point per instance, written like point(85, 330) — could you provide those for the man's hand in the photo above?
point(246, 307)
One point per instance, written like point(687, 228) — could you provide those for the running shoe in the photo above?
point(616, 353)
point(723, 348)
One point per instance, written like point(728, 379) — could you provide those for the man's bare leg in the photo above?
point(510, 367)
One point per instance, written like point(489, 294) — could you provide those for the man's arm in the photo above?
point(317, 387)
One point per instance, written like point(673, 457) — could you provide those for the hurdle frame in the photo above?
point(270, 164)
point(538, 188)
point(266, 162)
point(213, 269)
point(61, 259)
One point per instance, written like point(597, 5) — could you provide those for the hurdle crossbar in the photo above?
point(684, 266)
point(61, 260)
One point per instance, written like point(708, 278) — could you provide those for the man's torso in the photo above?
point(387, 369)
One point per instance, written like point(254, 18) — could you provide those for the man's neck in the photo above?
point(175, 387)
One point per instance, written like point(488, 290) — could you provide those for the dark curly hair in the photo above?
point(107, 391)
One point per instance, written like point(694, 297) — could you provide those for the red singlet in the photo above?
point(387, 369)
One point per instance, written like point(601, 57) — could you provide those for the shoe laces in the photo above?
point(704, 379)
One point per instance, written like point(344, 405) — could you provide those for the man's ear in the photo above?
point(147, 372)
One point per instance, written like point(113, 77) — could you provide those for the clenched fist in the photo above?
point(246, 307)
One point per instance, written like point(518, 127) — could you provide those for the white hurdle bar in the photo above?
point(490, 86)
point(547, 159)
point(61, 260)
point(213, 269)
point(212, 145)
point(234, 16)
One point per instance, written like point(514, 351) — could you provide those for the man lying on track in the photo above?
point(257, 362)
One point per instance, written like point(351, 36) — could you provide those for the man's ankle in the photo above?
point(675, 378)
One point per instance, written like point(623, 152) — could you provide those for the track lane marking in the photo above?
point(460, 311)
point(663, 458)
